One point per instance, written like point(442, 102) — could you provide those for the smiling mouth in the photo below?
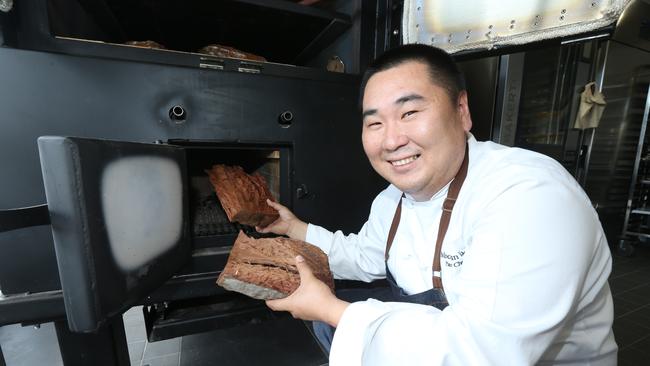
point(404, 161)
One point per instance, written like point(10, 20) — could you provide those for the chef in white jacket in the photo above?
point(494, 255)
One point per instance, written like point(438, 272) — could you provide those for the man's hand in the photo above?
point(313, 300)
point(287, 224)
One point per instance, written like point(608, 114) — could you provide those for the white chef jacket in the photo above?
point(524, 264)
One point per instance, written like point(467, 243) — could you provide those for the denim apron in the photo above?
point(394, 293)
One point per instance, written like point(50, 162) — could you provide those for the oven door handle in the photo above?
point(17, 218)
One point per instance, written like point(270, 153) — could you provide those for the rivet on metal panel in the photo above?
point(563, 11)
point(177, 114)
point(285, 119)
point(302, 191)
point(395, 32)
point(561, 17)
point(490, 26)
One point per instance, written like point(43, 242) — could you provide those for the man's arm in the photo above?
point(357, 256)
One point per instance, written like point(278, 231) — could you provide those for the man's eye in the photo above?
point(409, 113)
point(373, 124)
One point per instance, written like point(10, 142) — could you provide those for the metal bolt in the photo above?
point(285, 119)
point(177, 114)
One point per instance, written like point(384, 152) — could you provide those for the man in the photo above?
point(520, 261)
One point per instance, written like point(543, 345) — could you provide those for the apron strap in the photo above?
point(447, 208)
point(393, 227)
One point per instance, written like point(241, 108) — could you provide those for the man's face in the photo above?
point(413, 134)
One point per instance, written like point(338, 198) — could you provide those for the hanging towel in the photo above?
point(592, 104)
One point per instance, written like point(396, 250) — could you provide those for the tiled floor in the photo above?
point(143, 353)
point(630, 283)
point(27, 346)
point(282, 341)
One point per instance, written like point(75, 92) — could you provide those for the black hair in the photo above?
point(443, 70)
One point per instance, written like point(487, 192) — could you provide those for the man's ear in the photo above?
point(463, 111)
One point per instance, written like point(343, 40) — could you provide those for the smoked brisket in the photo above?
point(242, 196)
point(266, 269)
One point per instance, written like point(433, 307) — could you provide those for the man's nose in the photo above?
point(394, 137)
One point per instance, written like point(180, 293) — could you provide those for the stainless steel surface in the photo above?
point(511, 72)
point(481, 82)
point(588, 136)
point(615, 142)
point(632, 27)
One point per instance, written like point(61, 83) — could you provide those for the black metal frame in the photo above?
point(18, 218)
point(31, 27)
point(106, 347)
point(272, 88)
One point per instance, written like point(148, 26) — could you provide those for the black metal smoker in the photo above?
point(105, 203)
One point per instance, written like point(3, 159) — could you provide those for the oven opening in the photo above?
point(209, 225)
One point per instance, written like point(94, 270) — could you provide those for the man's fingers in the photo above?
point(275, 205)
point(268, 228)
point(304, 271)
point(275, 305)
point(303, 268)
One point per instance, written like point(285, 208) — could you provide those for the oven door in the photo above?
point(119, 216)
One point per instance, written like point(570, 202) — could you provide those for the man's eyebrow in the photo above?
point(368, 112)
point(400, 100)
point(408, 98)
